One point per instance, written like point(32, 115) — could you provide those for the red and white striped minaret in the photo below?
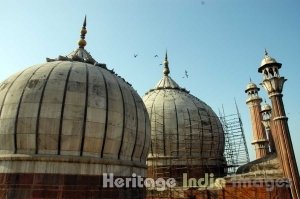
point(273, 84)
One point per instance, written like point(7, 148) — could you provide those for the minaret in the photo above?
point(266, 120)
point(273, 84)
point(260, 141)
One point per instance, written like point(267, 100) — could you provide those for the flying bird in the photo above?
point(186, 74)
point(135, 55)
point(155, 55)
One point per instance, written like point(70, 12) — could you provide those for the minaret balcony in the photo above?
point(266, 124)
point(273, 84)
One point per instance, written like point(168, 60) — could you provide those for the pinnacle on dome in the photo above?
point(166, 65)
point(266, 107)
point(80, 54)
point(266, 52)
point(82, 42)
point(251, 86)
point(166, 82)
point(268, 60)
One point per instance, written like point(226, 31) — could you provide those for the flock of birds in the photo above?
point(135, 55)
point(186, 75)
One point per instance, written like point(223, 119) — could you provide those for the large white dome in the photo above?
point(72, 108)
point(183, 128)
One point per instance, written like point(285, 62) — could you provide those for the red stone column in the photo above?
point(273, 84)
point(289, 163)
point(260, 141)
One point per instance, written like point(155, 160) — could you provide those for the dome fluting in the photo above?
point(71, 108)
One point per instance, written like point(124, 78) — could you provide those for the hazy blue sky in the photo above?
point(219, 42)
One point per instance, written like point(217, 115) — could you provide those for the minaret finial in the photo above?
point(166, 56)
point(166, 65)
point(82, 42)
point(266, 52)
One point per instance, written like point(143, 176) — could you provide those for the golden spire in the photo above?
point(82, 42)
point(166, 65)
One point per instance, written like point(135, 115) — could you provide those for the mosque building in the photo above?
point(72, 128)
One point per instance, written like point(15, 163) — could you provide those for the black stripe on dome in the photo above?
point(177, 131)
point(143, 150)
point(106, 114)
point(136, 125)
point(211, 131)
point(85, 109)
point(219, 135)
point(39, 109)
point(201, 134)
point(151, 112)
point(62, 110)
point(18, 110)
point(191, 132)
point(150, 117)
point(123, 125)
point(8, 89)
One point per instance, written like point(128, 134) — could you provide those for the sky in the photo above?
point(220, 43)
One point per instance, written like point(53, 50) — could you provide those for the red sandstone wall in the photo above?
point(229, 192)
point(52, 186)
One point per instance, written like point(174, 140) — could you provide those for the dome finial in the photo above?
point(166, 65)
point(266, 52)
point(82, 42)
